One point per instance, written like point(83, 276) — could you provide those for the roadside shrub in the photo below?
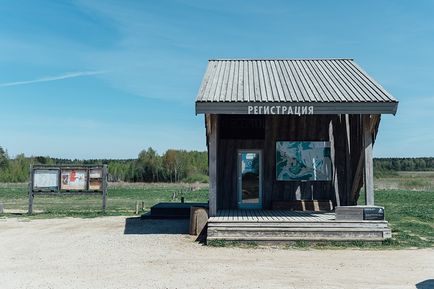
point(197, 178)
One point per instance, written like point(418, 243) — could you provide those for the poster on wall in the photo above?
point(303, 161)
point(46, 180)
point(73, 180)
point(95, 179)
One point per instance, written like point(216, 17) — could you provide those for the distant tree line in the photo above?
point(149, 166)
point(172, 166)
point(403, 164)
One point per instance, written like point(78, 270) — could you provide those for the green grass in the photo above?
point(224, 243)
point(410, 215)
point(121, 200)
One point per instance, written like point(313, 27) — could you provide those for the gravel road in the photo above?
point(121, 252)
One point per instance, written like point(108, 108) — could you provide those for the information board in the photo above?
point(46, 180)
point(68, 180)
point(95, 179)
point(73, 180)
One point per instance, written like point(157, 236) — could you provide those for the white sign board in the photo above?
point(46, 180)
point(95, 173)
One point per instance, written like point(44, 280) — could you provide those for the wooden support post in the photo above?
point(137, 208)
point(358, 176)
point(369, 166)
point(348, 168)
point(104, 187)
point(31, 196)
point(333, 159)
point(212, 162)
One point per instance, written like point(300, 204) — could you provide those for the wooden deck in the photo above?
point(267, 225)
point(271, 216)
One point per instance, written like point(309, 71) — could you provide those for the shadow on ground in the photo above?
point(138, 226)
point(427, 284)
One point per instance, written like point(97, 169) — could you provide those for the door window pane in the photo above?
point(250, 178)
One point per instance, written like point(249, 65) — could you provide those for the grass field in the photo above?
point(409, 211)
point(413, 181)
point(411, 216)
point(121, 200)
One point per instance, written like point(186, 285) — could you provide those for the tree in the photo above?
point(149, 166)
point(396, 165)
point(169, 163)
point(151, 163)
point(4, 159)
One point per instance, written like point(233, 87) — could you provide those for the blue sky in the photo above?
point(105, 79)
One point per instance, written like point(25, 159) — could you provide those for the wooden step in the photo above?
point(282, 232)
point(382, 224)
point(299, 238)
point(283, 225)
point(366, 235)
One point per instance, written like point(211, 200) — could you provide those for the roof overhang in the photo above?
point(290, 108)
point(291, 87)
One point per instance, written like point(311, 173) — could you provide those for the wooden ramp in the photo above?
point(278, 225)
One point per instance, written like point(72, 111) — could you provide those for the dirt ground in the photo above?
point(121, 252)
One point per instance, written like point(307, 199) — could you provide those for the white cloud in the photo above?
point(53, 78)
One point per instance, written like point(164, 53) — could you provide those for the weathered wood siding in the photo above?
point(293, 128)
point(347, 135)
point(227, 174)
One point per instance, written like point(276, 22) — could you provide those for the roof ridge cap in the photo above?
point(279, 59)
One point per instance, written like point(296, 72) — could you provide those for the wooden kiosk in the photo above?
point(288, 142)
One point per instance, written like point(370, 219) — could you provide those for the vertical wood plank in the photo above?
point(369, 166)
point(31, 196)
point(268, 157)
point(348, 167)
point(357, 157)
point(104, 187)
point(212, 164)
point(334, 167)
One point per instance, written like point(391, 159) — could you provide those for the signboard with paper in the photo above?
point(46, 180)
point(73, 180)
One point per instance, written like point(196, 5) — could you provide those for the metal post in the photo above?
point(31, 196)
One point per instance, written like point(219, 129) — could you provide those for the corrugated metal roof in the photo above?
point(289, 81)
